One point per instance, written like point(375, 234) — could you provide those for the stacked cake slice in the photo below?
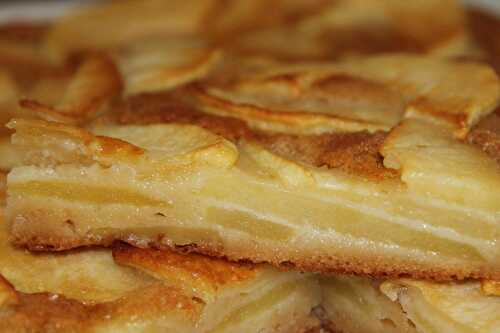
point(95, 290)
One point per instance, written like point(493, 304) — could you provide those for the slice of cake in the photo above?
point(417, 200)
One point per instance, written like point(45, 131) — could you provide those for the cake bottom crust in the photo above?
point(38, 232)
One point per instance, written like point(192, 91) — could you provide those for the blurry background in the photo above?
point(29, 9)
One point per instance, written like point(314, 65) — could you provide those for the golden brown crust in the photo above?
point(348, 88)
point(372, 266)
point(200, 273)
point(45, 312)
point(355, 153)
point(289, 256)
point(276, 116)
point(490, 287)
point(370, 93)
point(169, 108)
point(486, 135)
point(215, 270)
point(95, 146)
point(429, 109)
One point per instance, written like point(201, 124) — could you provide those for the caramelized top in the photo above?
point(34, 312)
point(217, 271)
point(197, 274)
point(490, 287)
point(166, 108)
point(486, 135)
point(355, 153)
point(365, 93)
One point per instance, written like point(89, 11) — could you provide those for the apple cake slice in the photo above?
point(416, 200)
point(179, 184)
point(86, 291)
point(354, 304)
